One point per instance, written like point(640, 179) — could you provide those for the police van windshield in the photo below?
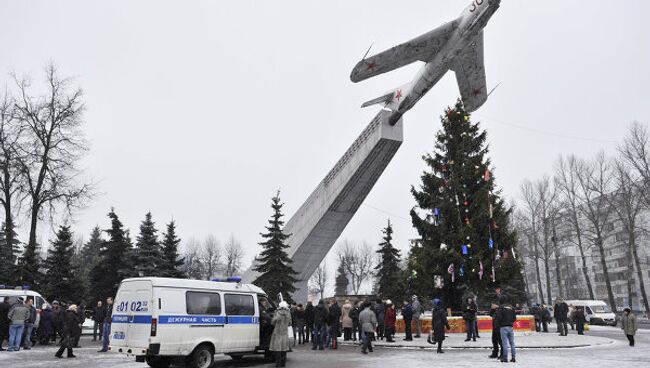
point(600, 309)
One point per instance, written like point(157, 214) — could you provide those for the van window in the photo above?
point(203, 303)
point(240, 305)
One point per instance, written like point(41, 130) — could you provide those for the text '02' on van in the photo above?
point(162, 320)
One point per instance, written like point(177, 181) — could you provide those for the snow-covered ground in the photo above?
point(613, 353)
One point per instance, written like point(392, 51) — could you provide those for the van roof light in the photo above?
point(25, 287)
point(227, 279)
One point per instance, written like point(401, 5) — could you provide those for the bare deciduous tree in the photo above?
point(52, 147)
point(193, 266)
point(357, 262)
point(318, 281)
point(531, 210)
point(594, 185)
point(210, 256)
point(233, 256)
point(566, 180)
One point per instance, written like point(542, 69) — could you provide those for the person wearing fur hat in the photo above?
point(280, 337)
point(71, 330)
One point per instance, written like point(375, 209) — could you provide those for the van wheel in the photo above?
point(202, 357)
point(158, 362)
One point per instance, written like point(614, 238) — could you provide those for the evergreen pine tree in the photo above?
point(460, 208)
point(341, 281)
point(148, 257)
point(28, 269)
point(173, 263)
point(8, 254)
point(113, 265)
point(277, 274)
point(90, 256)
point(62, 281)
point(387, 271)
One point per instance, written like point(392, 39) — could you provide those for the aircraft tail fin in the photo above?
point(391, 98)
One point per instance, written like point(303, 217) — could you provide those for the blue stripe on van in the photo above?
point(243, 320)
point(123, 318)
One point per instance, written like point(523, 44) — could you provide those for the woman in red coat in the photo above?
point(389, 321)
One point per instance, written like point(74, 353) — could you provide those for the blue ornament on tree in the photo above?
point(464, 249)
point(461, 271)
point(491, 243)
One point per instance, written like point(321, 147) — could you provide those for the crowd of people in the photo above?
point(23, 327)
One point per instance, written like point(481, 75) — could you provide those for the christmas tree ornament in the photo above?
point(469, 245)
point(494, 278)
point(436, 216)
point(491, 243)
point(451, 271)
point(441, 189)
point(443, 246)
point(457, 203)
point(513, 253)
point(480, 270)
point(466, 117)
point(467, 237)
point(464, 249)
point(461, 270)
point(490, 210)
point(486, 175)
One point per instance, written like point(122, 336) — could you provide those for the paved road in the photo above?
point(616, 354)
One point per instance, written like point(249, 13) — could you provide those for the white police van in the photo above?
point(161, 320)
point(15, 292)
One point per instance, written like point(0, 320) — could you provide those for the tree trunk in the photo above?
point(548, 279)
point(558, 274)
point(640, 277)
point(540, 290)
point(603, 262)
point(585, 271)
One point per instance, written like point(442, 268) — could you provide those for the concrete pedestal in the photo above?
point(322, 218)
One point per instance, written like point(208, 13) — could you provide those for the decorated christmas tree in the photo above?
point(467, 243)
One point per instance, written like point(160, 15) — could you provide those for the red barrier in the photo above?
point(457, 324)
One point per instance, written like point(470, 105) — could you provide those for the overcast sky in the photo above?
point(200, 110)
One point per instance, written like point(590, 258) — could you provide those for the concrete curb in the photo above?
point(452, 347)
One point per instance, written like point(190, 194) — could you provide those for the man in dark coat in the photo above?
point(108, 321)
point(469, 315)
point(334, 323)
point(354, 314)
point(5, 306)
point(438, 324)
point(546, 318)
point(580, 320)
point(536, 311)
point(98, 320)
point(561, 314)
point(46, 325)
point(506, 317)
point(71, 330)
point(321, 317)
point(309, 321)
point(407, 315)
point(57, 318)
point(496, 333)
point(380, 312)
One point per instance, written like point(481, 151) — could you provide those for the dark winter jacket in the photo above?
point(4, 315)
point(546, 315)
point(32, 315)
point(561, 312)
point(380, 311)
point(321, 316)
point(390, 317)
point(334, 315)
point(493, 314)
point(469, 313)
point(354, 314)
point(46, 325)
point(99, 314)
point(57, 319)
point(108, 313)
point(298, 318)
point(439, 322)
point(536, 311)
point(506, 316)
point(309, 315)
point(407, 312)
point(71, 327)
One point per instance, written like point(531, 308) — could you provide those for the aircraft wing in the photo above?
point(470, 74)
point(421, 48)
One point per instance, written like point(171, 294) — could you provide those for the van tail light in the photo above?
point(154, 326)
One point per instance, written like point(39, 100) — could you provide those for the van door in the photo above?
point(132, 315)
point(242, 325)
point(205, 319)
